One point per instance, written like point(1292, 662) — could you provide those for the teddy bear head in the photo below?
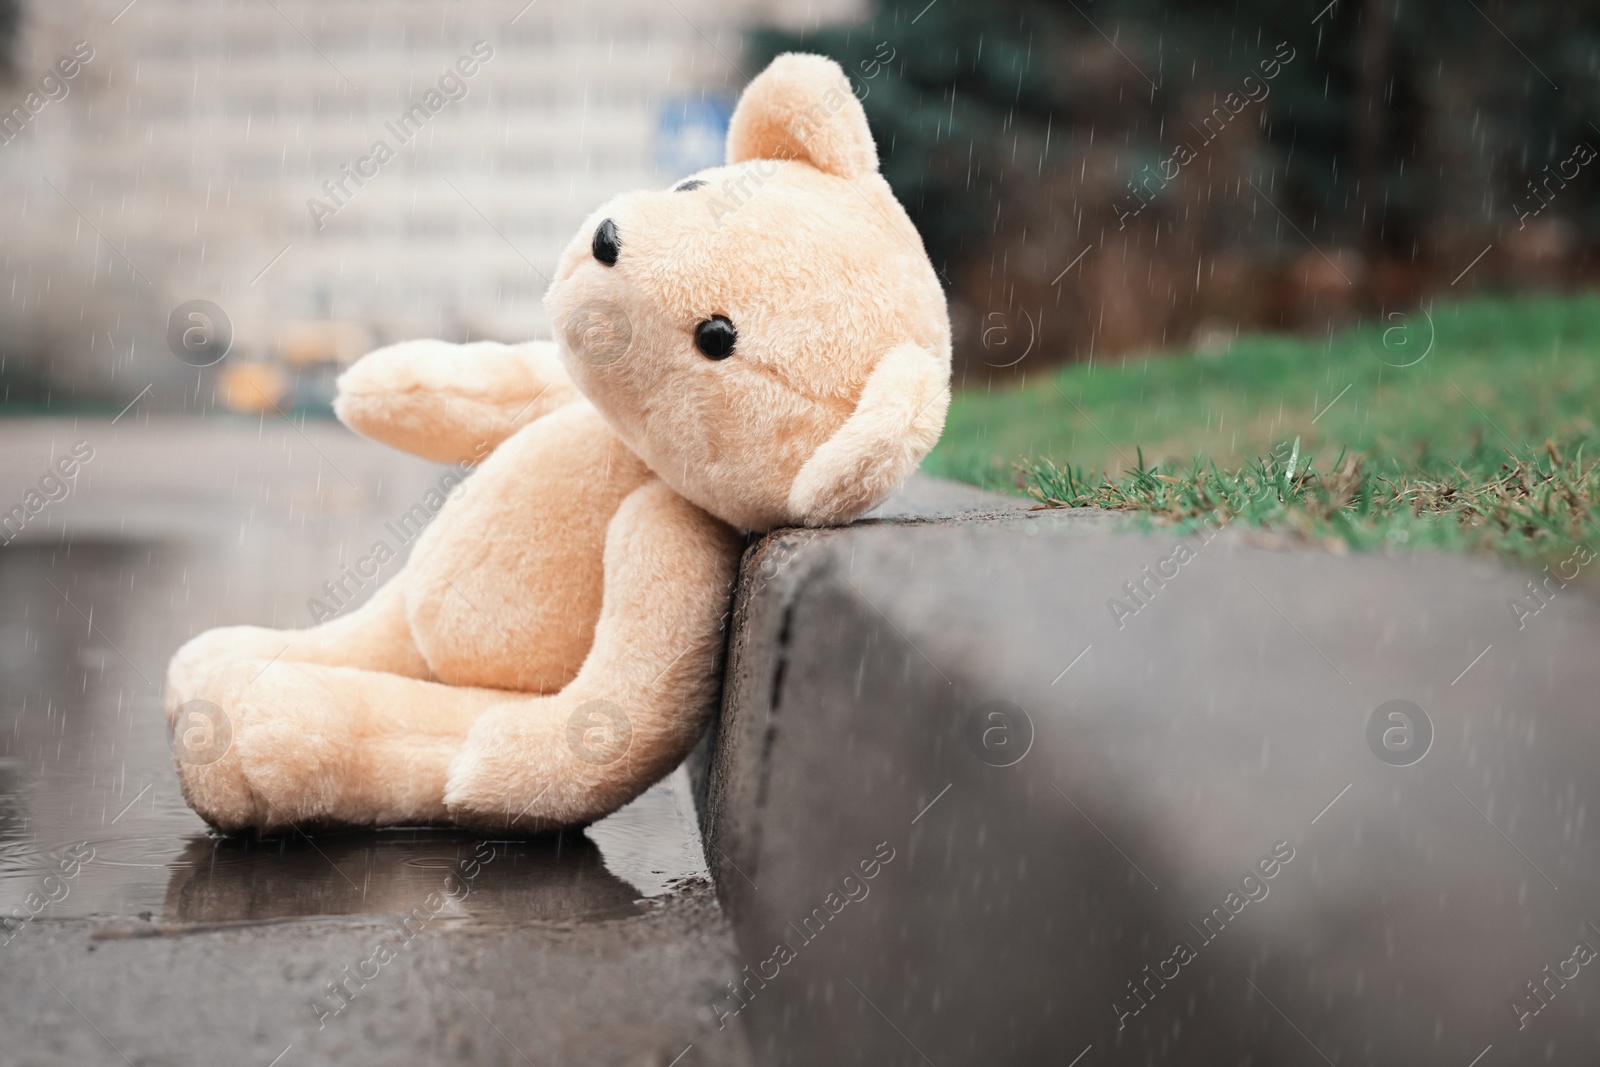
point(768, 336)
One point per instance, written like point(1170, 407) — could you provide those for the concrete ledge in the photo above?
point(1155, 834)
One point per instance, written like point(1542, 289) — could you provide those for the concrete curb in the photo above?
point(1168, 833)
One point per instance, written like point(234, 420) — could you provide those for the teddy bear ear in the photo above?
point(801, 107)
point(896, 422)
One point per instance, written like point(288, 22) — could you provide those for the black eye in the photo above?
point(715, 337)
point(684, 187)
point(606, 243)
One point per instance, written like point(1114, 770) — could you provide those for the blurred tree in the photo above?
point(1397, 142)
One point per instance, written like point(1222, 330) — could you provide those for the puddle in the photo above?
point(562, 879)
point(91, 821)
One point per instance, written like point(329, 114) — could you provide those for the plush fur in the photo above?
point(550, 648)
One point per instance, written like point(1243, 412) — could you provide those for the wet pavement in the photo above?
point(951, 820)
point(138, 936)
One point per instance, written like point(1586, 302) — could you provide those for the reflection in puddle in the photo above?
point(84, 764)
point(554, 879)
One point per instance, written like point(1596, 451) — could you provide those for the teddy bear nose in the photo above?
point(606, 243)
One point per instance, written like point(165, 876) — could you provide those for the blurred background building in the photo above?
point(1094, 179)
point(229, 152)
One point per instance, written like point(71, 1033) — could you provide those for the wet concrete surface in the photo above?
point(958, 808)
point(138, 936)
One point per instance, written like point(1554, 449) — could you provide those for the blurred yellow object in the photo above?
point(302, 343)
point(252, 387)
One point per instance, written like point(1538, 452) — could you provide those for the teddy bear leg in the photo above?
point(375, 636)
point(637, 705)
point(296, 746)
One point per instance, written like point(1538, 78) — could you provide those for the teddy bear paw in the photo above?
point(468, 792)
point(254, 749)
point(493, 785)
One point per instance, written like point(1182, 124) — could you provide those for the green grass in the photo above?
point(1488, 438)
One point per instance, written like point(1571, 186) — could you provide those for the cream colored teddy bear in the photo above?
point(764, 344)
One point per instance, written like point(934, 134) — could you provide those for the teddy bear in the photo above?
point(763, 344)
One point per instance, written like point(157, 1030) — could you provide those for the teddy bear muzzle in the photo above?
point(598, 333)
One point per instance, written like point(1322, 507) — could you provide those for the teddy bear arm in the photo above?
point(643, 694)
point(452, 403)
